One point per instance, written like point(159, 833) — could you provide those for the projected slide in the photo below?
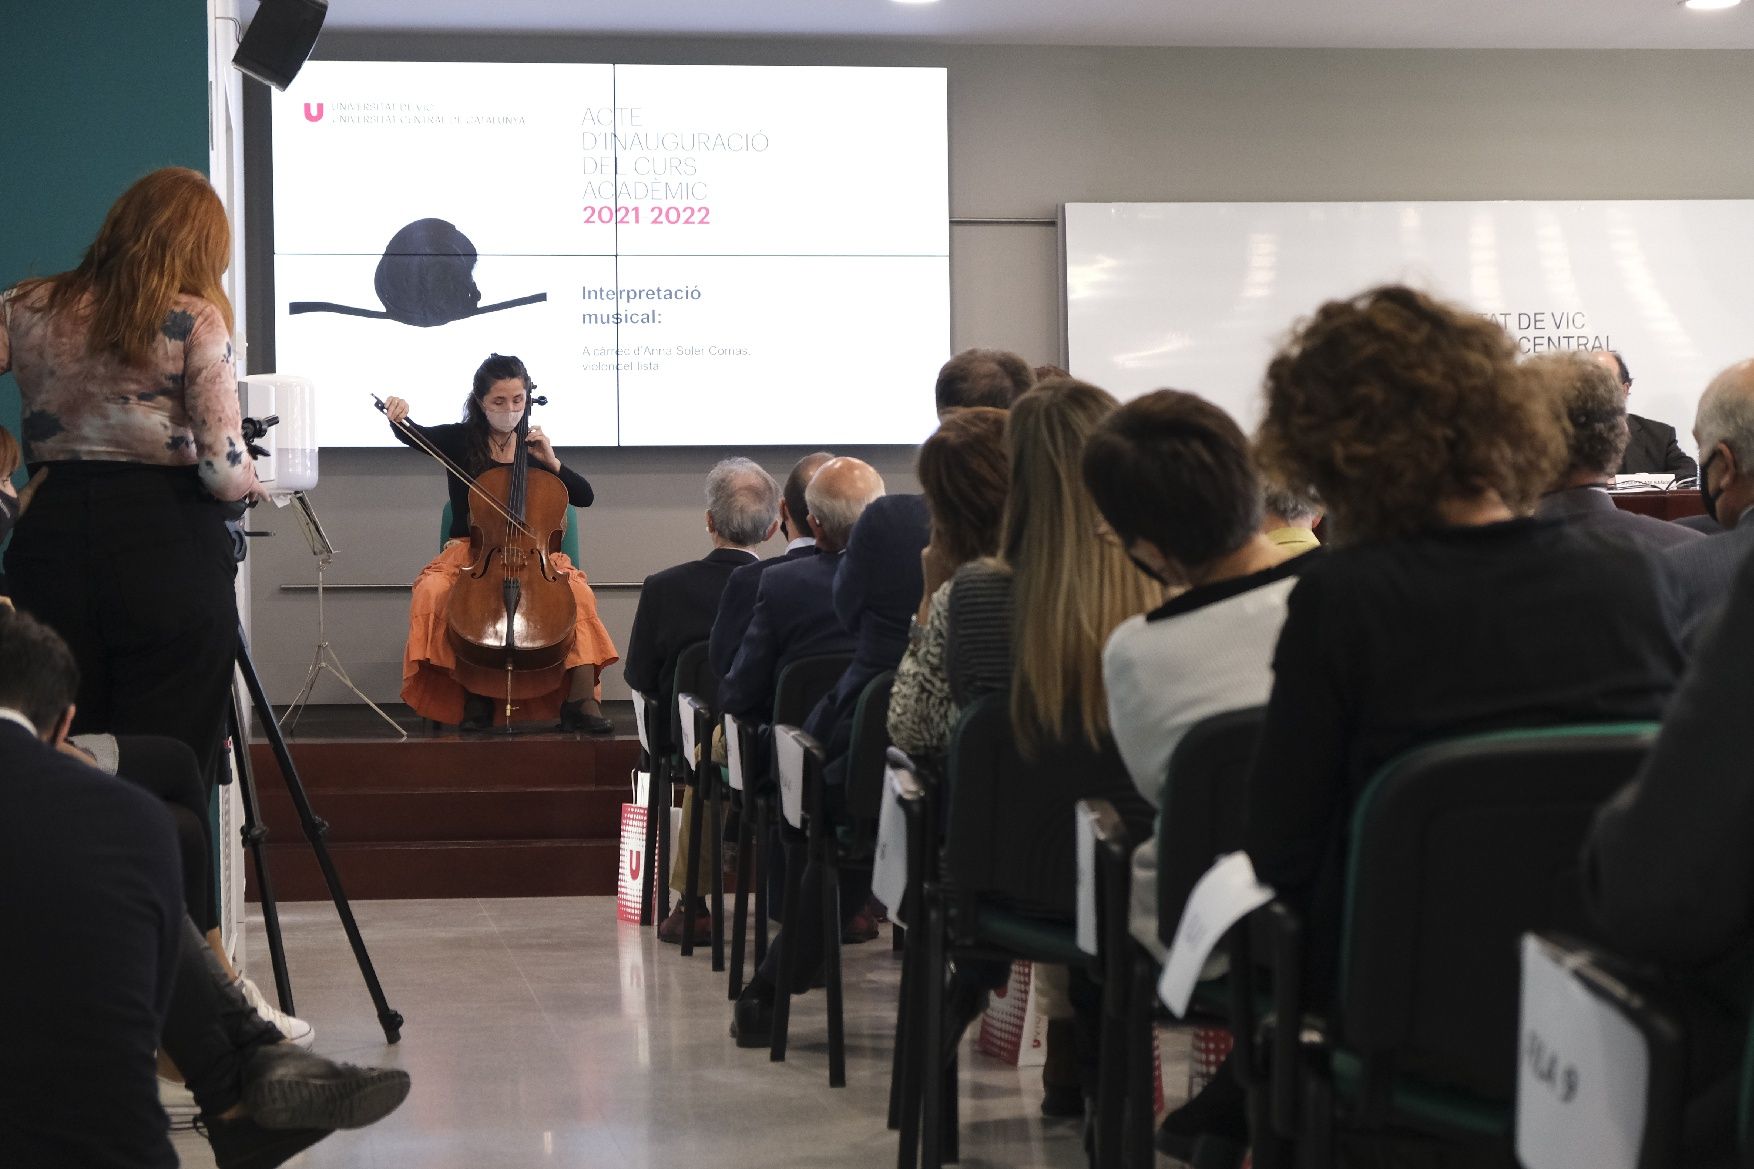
point(682, 255)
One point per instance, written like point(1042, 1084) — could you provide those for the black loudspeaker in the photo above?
point(279, 40)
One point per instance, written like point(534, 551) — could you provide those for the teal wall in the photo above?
point(96, 94)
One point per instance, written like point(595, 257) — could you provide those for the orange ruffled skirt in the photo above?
point(429, 685)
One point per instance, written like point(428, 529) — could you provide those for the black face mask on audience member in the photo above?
point(1706, 494)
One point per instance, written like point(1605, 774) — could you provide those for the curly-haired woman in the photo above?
point(1445, 610)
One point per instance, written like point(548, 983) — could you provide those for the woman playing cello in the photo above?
point(432, 675)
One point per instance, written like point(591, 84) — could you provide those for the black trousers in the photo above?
point(132, 566)
point(211, 1031)
point(802, 940)
point(168, 770)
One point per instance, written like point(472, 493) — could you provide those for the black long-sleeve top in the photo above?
point(1390, 645)
point(452, 440)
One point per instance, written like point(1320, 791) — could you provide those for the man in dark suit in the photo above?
point(676, 610)
point(1724, 429)
point(794, 603)
point(1666, 865)
point(93, 900)
point(677, 606)
point(1651, 447)
point(737, 602)
point(1595, 406)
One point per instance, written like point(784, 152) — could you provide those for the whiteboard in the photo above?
point(1197, 296)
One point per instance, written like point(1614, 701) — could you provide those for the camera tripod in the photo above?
point(315, 830)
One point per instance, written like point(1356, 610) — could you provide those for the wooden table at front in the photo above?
point(1664, 505)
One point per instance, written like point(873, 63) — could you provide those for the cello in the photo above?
point(511, 618)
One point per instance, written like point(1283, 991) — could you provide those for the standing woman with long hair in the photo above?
point(131, 419)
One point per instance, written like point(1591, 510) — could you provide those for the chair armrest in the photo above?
point(798, 761)
point(695, 718)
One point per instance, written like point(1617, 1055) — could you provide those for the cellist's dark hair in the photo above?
point(497, 368)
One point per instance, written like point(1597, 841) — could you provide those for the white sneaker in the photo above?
point(296, 1030)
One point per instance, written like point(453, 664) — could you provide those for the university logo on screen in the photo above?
point(313, 111)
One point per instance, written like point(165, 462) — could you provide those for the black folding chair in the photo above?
point(1008, 890)
point(801, 685)
point(697, 688)
point(1200, 818)
point(1456, 850)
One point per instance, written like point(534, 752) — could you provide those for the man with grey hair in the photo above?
point(1289, 519)
point(676, 610)
point(1724, 430)
point(677, 605)
point(1594, 406)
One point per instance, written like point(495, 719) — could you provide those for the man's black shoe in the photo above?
point(752, 1016)
point(289, 1088)
point(244, 1144)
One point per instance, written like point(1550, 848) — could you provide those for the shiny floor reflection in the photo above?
point(541, 1032)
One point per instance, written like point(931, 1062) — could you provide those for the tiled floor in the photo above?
point(540, 1032)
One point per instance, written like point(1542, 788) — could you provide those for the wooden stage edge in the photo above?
point(442, 814)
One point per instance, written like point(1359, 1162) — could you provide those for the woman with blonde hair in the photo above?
point(129, 393)
point(1033, 620)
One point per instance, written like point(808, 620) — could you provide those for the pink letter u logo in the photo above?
point(313, 113)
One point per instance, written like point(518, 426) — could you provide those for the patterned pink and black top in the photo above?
point(179, 410)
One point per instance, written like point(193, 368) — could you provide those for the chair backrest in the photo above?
point(803, 682)
point(1457, 849)
point(569, 539)
point(867, 750)
point(1205, 794)
point(694, 675)
point(1010, 831)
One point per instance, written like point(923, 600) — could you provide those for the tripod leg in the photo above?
point(315, 829)
point(254, 835)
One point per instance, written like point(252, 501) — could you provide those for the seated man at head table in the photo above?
point(1595, 408)
point(1651, 447)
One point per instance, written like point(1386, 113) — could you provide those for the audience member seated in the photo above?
point(794, 603)
point(1724, 429)
point(1033, 621)
point(1289, 520)
point(794, 618)
point(1667, 872)
point(879, 586)
point(737, 601)
point(1594, 406)
point(1173, 477)
point(1447, 610)
point(1651, 447)
point(965, 471)
point(676, 610)
point(88, 873)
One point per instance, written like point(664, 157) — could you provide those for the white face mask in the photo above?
point(503, 421)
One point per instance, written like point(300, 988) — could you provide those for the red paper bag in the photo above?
point(1013, 1028)
point(634, 870)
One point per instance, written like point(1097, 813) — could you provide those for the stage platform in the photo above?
point(442, 814)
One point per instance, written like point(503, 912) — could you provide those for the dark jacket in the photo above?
point(1654, 450)
point(794, 618)
point(676, 609)
point(876, 593)
point(94, 899)
point(1594, 509)
point(1703, 570)
point(737, 606)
